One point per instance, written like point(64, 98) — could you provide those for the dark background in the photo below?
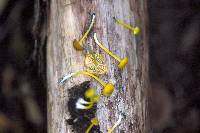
point(174, 30)
point(175, 65)
point(22, 62)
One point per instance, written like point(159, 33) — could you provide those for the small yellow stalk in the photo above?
point(78, 45)
point(116, 124)
point(122, 62)
point(94, 122)
point(135, 30)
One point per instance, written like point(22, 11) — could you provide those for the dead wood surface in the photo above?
point(67, 20)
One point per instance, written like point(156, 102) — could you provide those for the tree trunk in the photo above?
point(67, 20)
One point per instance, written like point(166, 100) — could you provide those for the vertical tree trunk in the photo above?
point(67, 19)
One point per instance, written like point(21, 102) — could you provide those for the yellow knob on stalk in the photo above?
point(122, 62)
point(78, 44)
point(135, 30)
point(107, 88)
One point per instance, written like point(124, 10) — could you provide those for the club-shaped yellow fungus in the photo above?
point(94, 64)
point(94, 122)
point(116, 124)
point(122, 63)
point(135, 30)
point(78, 44)
point(107, 88)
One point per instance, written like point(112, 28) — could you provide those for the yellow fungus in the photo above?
point(94, 122)
point(116, 124)
point(78, 44)
point(135, 30)
point(122, 63)
point(90, 93)
point(95, 98)
point(107, 90)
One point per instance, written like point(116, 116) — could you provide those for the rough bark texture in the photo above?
point(67, 20)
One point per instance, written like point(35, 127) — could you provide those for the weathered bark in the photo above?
point(67, 20)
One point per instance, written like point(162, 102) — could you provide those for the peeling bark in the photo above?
point(67, 19)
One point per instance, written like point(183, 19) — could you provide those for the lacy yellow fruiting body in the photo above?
point(135, 30)
point(94, 64)
point(78, 45)
point(122, 63)
point(107, 90)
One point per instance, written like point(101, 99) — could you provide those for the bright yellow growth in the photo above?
point(108, 88)
point(92, 95)
point(135, 30)
point(78, 45)
point(94, 122)
point(122, 63)
point(93, 76)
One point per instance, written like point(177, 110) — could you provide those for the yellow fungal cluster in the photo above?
point(95, 66)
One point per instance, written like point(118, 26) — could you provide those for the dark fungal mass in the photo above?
point(80, 119)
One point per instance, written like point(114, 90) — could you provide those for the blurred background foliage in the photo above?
point(22, 82)
point(175, 65)
point(174, 32)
